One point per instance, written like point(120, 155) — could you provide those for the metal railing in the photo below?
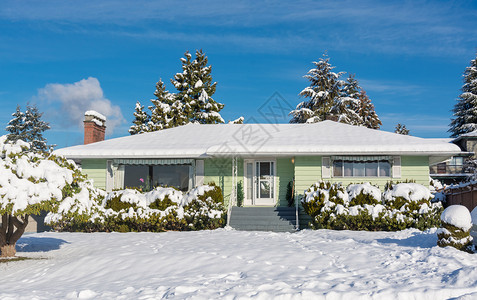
point(447, 169)
point(297, 210)
point(233, 194)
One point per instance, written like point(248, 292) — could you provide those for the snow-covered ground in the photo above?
point(231, 264)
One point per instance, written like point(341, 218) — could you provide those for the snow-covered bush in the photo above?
point(204, 207)
point(407, 196)
point(456, 225)
point(364, 193)
point(32, 182)
point(322, 196)
point(361, 207)
point(163, 208)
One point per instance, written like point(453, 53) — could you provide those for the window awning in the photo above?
point(177, 161)
point(362, 158)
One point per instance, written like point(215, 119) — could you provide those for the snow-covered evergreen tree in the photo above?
point(237, 121)
point(195, 89)
point(323, 92)
point(166, 111)
point(330, 97)
point(34, 128)
point(465, 110)
point(141, 119)
point(401, 129)
point(29, 127)
point(16, 126)
point(192, 103)
point(367, 113)
point(346, 106)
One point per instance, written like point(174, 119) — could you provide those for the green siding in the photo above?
point(95, 169)
point(285, 171)
point(416, 168)
point(307, 172)
point(219, 171)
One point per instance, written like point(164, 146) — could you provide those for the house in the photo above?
point(264, 158)
point(455, 169)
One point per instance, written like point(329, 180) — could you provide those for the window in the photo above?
point(136, 176)
point(457, 161)
point(361, 167)
point(147, 177)
point(171, 175)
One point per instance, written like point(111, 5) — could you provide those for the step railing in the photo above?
point(233, 194)
point(297, 211)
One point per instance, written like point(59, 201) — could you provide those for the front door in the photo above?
point(260, 183)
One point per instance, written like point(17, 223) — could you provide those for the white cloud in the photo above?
point(68, 102)
point(391, 87)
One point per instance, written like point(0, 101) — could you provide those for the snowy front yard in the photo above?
point(233, 264)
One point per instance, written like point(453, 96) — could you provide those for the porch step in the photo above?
point(276, 219)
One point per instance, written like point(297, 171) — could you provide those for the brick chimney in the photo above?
point(94, 127)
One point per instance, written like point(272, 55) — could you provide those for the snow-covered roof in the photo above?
point(472, 133)
point(323, 138)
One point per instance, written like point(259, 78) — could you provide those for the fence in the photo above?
point(466, 196)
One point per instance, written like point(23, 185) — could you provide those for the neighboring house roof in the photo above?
point(323, 138)
point(469, 135)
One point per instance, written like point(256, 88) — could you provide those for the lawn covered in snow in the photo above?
point(233, 265)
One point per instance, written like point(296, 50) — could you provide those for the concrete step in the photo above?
point(262, 221)
point(260, 211)
point(277, 219)
point(289, 228)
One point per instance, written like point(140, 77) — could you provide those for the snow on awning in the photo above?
point(362, 158)
point(179, 161)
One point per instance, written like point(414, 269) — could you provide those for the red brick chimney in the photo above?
point(94, 127)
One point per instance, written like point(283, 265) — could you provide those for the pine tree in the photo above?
point(29, 127)
point(347, 106)
point(237, 121)
point(367, 113)
point(34, 128)
point(465, 110)
point(141, 119)
point(16, 126)
point(323, 91)
point(401, 129)
point(164, 114)
point(192, 103)
point(195, 89)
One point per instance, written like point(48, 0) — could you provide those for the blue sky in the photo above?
point(70, 56)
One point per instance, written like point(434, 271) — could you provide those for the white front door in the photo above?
point(259, 182)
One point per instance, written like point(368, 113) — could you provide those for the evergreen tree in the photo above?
point(16, 126)
point(465, 110)
point(323, 92)
point(331, 97)
point(141, 119)
point(160, 108)
point(192, 103)
point(29, 127)
point(401, 129)
point(34, 128)
point(237, 121)
point(347, 106)
point(367, 113)
point(195, 89)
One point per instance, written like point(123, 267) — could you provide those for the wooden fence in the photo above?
point(466, 196)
